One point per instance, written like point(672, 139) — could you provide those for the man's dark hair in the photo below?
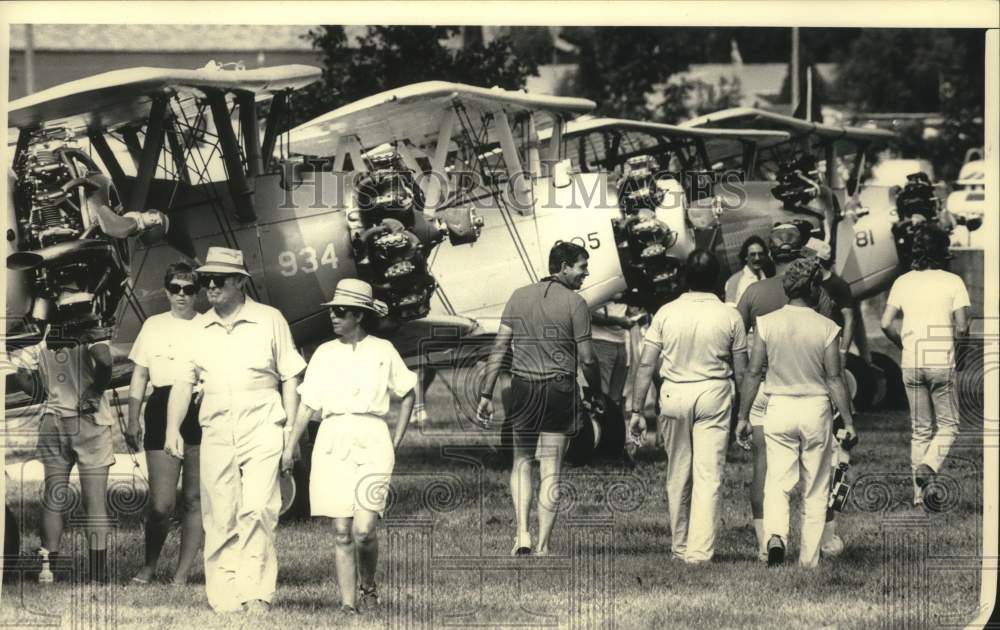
point(179, 270)
point(745, 249)
point(564, 252)
point(702, 271)
point(930, 247)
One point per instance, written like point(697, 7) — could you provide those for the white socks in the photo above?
point(758, 526)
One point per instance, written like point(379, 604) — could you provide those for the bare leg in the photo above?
point(345, 562)
point(520, 490)
point(551, 449)
point(54, 502)
point(366, 542)
point(191, 529)
point(163, 472)
point(94, 483)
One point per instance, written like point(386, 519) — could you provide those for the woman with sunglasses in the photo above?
point(348, 383)
point(155, 353)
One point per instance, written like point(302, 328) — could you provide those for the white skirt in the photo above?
point(352, 462)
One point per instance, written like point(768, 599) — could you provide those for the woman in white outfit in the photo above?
point(801, 350)
point(347, 384)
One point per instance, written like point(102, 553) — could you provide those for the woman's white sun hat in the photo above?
point(223, 260)
point(354, 293)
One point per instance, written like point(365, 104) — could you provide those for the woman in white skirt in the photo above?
point(801, 350)
point(347, 384)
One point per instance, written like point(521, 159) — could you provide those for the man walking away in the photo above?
point(703, 345)
point(934, 305)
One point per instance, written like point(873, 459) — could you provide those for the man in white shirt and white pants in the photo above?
point(934, 305)
point(703, 344)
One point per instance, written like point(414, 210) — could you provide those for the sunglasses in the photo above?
point(218, 279)
point(186, 289)
point(340, 312)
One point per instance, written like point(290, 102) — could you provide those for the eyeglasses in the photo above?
point(187, 289)
point(340, 312)
point(218, 279)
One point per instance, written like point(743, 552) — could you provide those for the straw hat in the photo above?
point(354, 293)
point(223, 260)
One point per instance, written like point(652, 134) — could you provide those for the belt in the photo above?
point(272, 385)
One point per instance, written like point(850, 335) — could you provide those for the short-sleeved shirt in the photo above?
point(162, 344)
point(241, 365)
point(767, 296)
point(697, 336)
point(610, 332)
point(548, 320)
point(67, 373)
point(355, 379)
point(840, 294)
point(795, 339)
point(927, 299)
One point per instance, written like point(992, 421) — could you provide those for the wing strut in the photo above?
point(279, 106)
point(150, 156)
point(100, 144)
point(239, 186)
point(251, 133)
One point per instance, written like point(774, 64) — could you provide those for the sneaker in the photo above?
point(522, 546)
point(368, 597)
point(347, 609)
point(775, 551)
point(46, 559)
point(924, 475)
point(832, 548)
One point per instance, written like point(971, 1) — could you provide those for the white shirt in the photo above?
point(927, 299)
point(738, 283)
point(795, 341)
point(697, 335)
point(161, 344)
point(242, 364)
point(355, 379)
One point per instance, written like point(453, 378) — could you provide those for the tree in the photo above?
point(622, 67)
point(387, 57)
point(922, 70)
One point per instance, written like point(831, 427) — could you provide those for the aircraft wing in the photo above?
point(415, 113)
point(123, 96)
point(590, 125)
point(749, 118)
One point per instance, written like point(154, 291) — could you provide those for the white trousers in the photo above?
point(797, 433)
point(695, 417)
point(240, 501)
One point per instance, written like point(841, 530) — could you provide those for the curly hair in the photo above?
point(801, 277)
point(930, 247)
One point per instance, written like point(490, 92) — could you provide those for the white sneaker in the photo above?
point(833, 547)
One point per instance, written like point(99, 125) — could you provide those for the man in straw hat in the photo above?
point(347, 386)
point(244, 354)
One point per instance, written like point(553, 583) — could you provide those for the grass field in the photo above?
point(452, 507)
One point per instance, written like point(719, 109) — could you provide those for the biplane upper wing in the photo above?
point(124, 96)
point(420, 114)
point(749, 118)
point(589, 125)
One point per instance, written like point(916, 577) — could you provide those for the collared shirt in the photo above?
point(67, 374)
point(548, 320)
point(242, 364)
point(927, 299)
point(738, 283)
point(795, 340)
point(161, 344)
point(356, 379)
point(697, 335)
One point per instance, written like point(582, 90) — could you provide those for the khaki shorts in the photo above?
point(75, 440)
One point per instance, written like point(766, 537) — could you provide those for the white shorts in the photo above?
point(352, 464)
